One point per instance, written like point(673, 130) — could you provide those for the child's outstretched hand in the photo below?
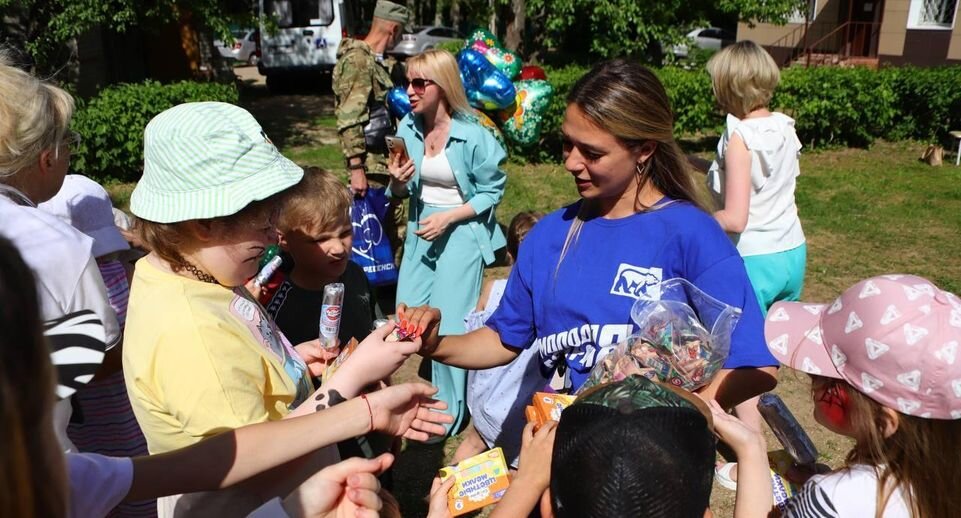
point(739, 436)
point(536, 451)
point(348, 488)
point(438, 498)
point(375, 358)
point(534, 476)
point(754, 495)
point(409, 411)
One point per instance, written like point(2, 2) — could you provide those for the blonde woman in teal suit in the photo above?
point(455, 181)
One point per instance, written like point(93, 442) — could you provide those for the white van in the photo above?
point(307, 34)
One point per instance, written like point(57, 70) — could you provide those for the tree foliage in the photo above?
point(44, 27)
point(607, 28)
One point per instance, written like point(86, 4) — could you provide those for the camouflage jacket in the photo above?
point(357, 77)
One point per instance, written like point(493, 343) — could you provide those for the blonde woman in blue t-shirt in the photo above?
point(752, 181)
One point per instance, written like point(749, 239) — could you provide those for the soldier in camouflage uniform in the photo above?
point(362, 76)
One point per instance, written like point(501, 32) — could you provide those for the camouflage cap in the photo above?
point(393, 12)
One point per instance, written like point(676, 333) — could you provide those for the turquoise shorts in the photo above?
point(777, 277)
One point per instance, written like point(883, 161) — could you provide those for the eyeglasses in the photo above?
point(419, 85)
point(71, 139)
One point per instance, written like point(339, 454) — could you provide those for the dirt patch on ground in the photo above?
point(289, 119)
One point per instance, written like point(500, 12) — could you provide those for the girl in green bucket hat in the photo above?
point(201, 355)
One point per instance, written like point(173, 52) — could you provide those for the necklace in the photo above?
point(200, 275)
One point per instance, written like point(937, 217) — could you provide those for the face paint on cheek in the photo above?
point(833, 405)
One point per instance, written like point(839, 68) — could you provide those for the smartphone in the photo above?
point(787, 429)
point(397, 146)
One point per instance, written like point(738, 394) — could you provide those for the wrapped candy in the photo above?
point(683, 339)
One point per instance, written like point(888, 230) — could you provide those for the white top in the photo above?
point(66, 274)
point(97, 483)
point(438, 185)
point(67, 277)
point(773, 224)
point(497, 396)
point(846, 493)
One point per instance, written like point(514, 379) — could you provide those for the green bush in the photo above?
point(452, 46)
point(112, 124)
point(836, 106)
point(831, 106)
point(929, 102)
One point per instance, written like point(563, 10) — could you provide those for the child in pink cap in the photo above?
point(885, 371)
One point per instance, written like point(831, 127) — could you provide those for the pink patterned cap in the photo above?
point(894, 337)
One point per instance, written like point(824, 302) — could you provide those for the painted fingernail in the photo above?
point(403, 324)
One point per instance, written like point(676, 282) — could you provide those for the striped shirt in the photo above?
point(118, 289)
point(850, 492)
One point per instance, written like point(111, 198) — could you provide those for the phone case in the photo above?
point(787, 429)
point(397, 145)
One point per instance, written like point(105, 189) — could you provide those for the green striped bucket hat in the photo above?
point(207, 160)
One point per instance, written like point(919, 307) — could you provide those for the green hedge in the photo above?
point(112, 123)
point(831, 106)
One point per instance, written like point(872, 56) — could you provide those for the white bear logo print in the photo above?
point(637, 282)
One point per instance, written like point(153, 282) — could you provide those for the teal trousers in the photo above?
point(445, 273)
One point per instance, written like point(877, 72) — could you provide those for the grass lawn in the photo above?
point(865, 212)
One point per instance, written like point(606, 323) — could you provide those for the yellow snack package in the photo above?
point(478, 482)
point(550, 406)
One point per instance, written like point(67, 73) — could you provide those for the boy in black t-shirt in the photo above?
point(316, 232)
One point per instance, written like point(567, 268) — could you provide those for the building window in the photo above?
point(798, 16)
point(932, 14)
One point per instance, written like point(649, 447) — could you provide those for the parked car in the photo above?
point(712, 38)
point(423, 38)
point(244, 47)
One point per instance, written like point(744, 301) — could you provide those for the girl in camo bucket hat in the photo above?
point(885, 372)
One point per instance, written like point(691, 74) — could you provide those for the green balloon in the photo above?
point(485, 36)
point(524, 125)
point(507, 61)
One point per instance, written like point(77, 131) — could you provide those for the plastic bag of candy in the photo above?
point(683, 338)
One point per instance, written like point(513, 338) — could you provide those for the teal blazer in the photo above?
point(475, 158)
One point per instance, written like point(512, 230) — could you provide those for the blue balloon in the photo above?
point(487, 87)
point(398, 102)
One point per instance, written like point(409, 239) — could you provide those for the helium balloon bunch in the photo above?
point(499, 87)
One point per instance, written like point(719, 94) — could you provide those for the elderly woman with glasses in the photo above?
point(454, 179)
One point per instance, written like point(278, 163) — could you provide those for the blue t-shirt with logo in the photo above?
point(578, 309)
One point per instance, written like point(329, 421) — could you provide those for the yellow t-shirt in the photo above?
point(200, 359)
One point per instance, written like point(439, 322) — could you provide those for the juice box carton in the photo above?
point(478, 482)
point(549, 406)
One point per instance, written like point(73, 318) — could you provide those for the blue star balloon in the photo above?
point(487, 88)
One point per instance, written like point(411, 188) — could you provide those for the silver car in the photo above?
point(712, 38)
point(423, 38)
point(244, 47)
